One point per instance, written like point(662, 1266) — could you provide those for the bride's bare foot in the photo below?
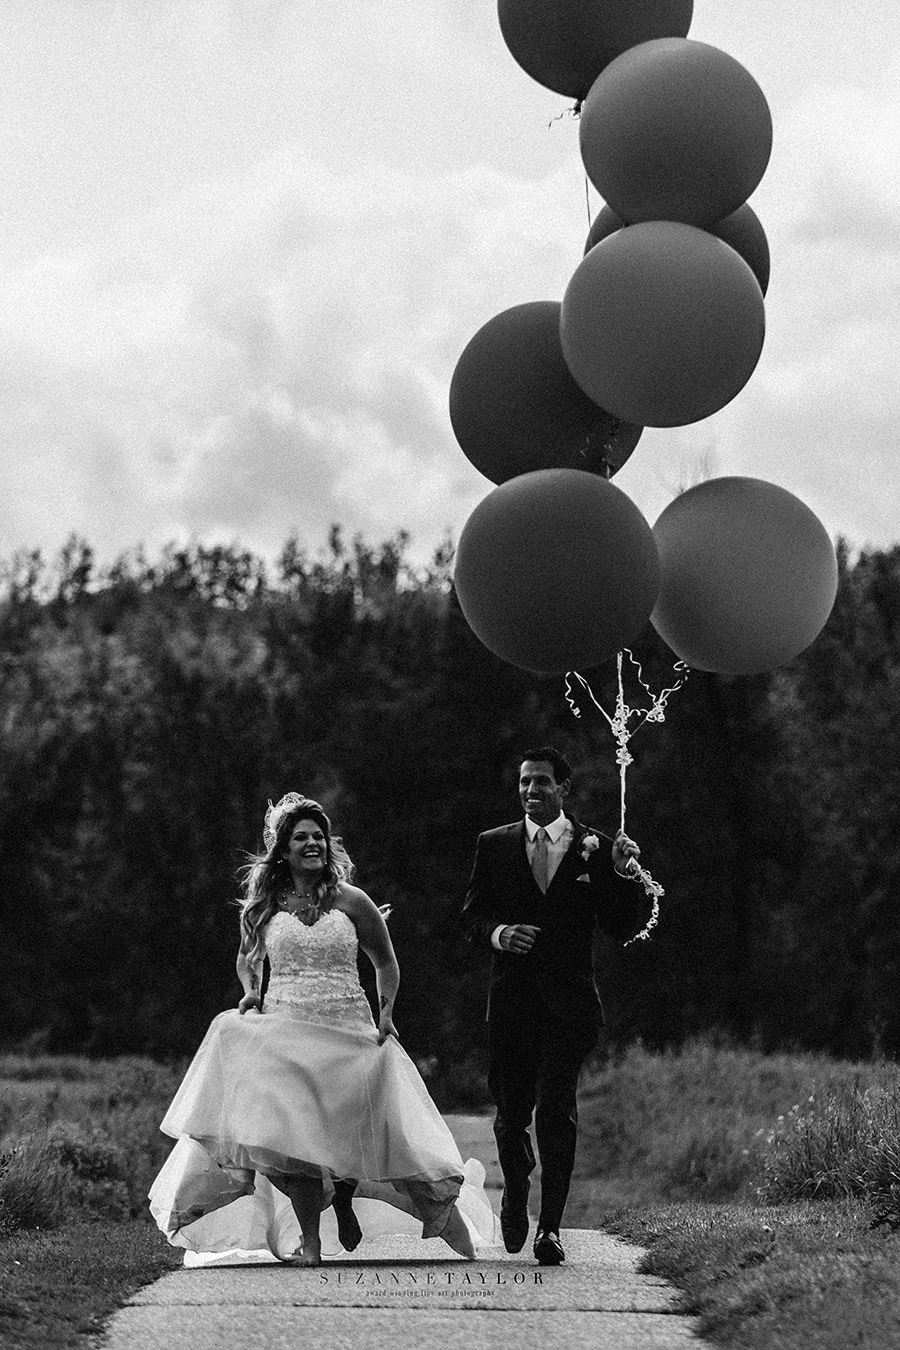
point(305, 1195)
point(307, 1254)
point(349, 1231)
point(456, 1234)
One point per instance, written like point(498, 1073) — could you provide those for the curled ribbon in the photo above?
point(622, 732)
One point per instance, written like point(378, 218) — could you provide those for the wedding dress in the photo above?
point(305, 1089)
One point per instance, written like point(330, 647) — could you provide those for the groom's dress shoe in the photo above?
point(514, 1218)
point(548, 1249)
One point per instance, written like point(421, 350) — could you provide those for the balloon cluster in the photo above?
point(661, 324)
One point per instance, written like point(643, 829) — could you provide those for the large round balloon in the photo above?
point(662, 324)
point(742, 230)
point(605, 223)
point(564, 44)
point(515, 407)
point(556, 570)
point(748, 576)
point(675, 130)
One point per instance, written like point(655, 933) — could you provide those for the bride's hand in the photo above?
point(249, 1001)
point(386, 1028)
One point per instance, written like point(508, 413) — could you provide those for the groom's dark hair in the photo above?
point(562, 769)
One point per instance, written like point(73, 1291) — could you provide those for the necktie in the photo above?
point(539, 859)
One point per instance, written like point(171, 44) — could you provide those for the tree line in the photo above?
point(149, 710)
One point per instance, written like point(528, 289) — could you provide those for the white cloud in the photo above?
point(267, 345)
point(274, 353)
point(821, 413)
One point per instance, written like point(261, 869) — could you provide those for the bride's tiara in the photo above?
point(274, 814)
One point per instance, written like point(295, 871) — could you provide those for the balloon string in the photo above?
point(587, 198)
point(623, 759)
point(622, 733)
point(574, 111)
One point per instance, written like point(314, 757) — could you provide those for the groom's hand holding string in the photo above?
point(625, 854)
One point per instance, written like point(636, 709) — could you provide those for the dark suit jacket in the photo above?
point(558, 970)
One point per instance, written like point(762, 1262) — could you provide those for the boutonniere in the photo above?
point(589, 844)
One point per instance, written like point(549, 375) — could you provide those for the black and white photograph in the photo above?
point(449, 674)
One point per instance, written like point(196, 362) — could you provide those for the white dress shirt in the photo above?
point(559, 837)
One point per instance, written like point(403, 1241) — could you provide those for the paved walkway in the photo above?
point(397, 1299)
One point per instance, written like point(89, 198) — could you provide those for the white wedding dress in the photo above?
point(305, 1089)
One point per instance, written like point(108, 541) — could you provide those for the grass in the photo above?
point(764, 1187)
point(844, 1142)
point(79, 1146)
point(799, 1275)
point(58, 1287)
point(700, 1123)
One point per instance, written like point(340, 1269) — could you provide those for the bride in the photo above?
point(300, 1103)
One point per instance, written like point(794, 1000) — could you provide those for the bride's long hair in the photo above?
point(266, 873)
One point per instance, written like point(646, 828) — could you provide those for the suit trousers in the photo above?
point(535, 1060)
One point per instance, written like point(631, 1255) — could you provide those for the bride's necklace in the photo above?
point(301, 908)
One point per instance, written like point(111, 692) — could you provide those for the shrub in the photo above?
point(34, 1187)
point(138, 1082)
point(696, 1123)
point(683, 1124)
point(98, 1170)
point(102, 1117)
point(63, 1172)
point(843, 1142)
point(89, 1154)
point(711, 1163)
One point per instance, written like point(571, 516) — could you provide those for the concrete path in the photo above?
point(397, 1299)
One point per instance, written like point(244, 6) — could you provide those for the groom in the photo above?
point(537, 889)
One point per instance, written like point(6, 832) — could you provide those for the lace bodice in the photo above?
point(313, 969)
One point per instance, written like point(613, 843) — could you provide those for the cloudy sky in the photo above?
point(245, 241)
